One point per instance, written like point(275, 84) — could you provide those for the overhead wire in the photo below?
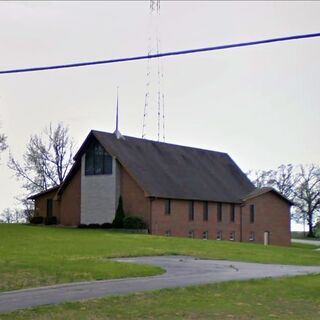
point(160, 55)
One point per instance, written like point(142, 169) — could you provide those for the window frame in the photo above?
point(167, 207)
point(232, 236)
point(252, 213)
point(252, 236)
point(219, 235)
point(205, 235)
point(232, 213)
point(97, 160)
point(49, 208)
point(191, 234)
point(191, 210)
point(219, 212)
point(205, 211)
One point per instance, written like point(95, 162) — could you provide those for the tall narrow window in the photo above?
point(205, 211)
point(232, 213)
point(167, 207)
point(191, 211)
point(252, 213)
point(97, 160)
point(219, 212)
point(49, 207)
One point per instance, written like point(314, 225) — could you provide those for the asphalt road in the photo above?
point(181, 271)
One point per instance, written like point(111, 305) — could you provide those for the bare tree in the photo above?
point(7, 216)
point(46, 161)
point(12, 215)
point(28, 208)
point(307, 196)
point(260, 178)
point(282, 179)
point(3, 142)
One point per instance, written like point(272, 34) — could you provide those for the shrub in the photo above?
point(82, 226)
point(133, 223)
point(118, 219)
point(106, 225)
point(36, 220)
point(50, 220)
point(93, 225)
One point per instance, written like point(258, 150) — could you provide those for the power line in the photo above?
point(164, 54)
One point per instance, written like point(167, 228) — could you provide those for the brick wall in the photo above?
point(272, 214)
point(135, 202)
point(40, 205)
point(179, 224)
point(70, 202)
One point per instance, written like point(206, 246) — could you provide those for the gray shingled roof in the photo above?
point(259, 191)
point(171, 171)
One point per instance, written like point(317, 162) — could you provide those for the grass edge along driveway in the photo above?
point(293, 298)
point(37, 256)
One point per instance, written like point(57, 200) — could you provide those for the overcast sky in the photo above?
point(260, 104)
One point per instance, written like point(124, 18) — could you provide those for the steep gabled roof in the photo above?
point(172, 171)
point(260, 191)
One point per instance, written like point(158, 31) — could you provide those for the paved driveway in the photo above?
point(313, 242)
point(181, 271)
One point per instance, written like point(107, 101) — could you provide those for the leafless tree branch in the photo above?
point(46, 161)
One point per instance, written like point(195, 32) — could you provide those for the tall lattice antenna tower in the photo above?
point(154, 44)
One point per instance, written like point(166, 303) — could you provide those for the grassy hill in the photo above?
point(33, 256)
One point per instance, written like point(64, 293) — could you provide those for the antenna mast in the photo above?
point(154, 15)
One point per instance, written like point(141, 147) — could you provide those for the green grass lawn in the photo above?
point(34, 256)
point(283, 298)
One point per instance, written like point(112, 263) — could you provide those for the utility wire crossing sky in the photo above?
point(159, 55)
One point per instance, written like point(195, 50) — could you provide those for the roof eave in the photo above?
point(266, 191)
point(42, 193)
point(162, 196)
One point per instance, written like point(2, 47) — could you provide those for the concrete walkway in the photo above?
point(181, 271)
point(313, 242)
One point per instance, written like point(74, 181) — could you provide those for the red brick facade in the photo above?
point(40, 205)
point(65, 208)
point(70, 202)
point(271, 213)
point(134, 199)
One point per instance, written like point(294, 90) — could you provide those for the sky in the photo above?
point(260, 104)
